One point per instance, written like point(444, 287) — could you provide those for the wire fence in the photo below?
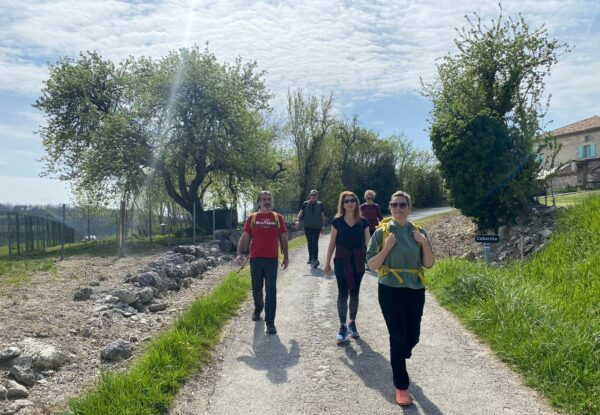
point(30, 230)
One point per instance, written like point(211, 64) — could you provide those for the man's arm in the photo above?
point(242, 245)
point(284, 249)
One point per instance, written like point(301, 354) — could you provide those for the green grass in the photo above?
point(571, 199)
point(14, 273)
point(154, 378)
point(541, 316)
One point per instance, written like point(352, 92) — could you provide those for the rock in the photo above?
point(45, 356)
point(234, 237)
point(187, 282)
point(15, 390)
point(23, 373)
point(9, 353)
point(528, 247)
point(3, 393)
point(226, 246)
point(126, 310)
point(214, 250)
point(83, 294)
point(468, 256)
point(177, 271)
point(545, 233)
point(170, 284)
point(550, 211)
point(174, 258)
point(110, 299)
point(158, 306)
point(94, 283)
point(198, 267)
point(87, 331)
point(16, 407)
point(145, 295)
point(116, 351)
point(125, 296)
point(189, 258)
point(201, 252)
point(148, 279)
point(185, 249)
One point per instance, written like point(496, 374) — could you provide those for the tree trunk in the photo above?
point(121, 250)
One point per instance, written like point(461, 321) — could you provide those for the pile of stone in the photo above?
point(27, 363)
point(529, 238)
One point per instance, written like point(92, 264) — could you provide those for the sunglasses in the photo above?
point(398, 205)
point(313, 194)
point(265, 199)
point(370, 198)
point(349, 200)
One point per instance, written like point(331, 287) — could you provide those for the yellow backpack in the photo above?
point(384, 269)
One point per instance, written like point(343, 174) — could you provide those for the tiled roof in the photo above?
point(577, 127)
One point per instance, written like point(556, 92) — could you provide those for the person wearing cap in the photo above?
point(312, 214)
point(264, 231)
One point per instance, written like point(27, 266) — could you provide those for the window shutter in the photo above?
point(580, 152)
point(593, 150)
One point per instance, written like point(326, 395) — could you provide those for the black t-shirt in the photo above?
point(350, 237)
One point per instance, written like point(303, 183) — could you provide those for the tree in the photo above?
point(186, 118)
point(487, 110)
point(309, 125)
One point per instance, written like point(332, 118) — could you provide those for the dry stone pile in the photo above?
point(23, 365)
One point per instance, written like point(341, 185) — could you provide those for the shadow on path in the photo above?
point(270, 355)
point(376, 373)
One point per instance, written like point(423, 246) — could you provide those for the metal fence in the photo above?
point(28, 230)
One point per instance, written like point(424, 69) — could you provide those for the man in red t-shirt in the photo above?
point(265, 229)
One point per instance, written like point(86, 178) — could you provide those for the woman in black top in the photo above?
point(349, 238)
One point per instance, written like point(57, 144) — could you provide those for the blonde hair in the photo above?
point(369, 192)
point(342, 210)
point(403, 194)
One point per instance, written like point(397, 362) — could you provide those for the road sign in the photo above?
point(487, 238)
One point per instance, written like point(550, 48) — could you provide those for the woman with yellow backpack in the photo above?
point(399, 250)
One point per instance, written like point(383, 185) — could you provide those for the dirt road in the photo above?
point(302, 371)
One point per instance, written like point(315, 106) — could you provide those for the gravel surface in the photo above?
point(302, 371)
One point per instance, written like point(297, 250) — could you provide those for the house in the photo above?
point(578, 158)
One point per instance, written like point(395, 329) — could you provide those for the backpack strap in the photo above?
point(396, 272)
point(276, 219)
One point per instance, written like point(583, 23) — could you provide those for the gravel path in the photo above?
point(302, 371)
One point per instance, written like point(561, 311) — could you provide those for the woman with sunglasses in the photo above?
point(371, 211)
point(399, 250)
point(349, 238)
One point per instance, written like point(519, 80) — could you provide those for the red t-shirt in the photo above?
point(265, 235)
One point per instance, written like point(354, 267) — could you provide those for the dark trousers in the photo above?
point(344, 292)
point(312, 237)
point(264, 272)
point(402, 310)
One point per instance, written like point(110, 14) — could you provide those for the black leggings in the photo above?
point(344, 292)
point(402, 310)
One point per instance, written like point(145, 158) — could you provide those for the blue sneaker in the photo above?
point(342, 335)
point(352, 330)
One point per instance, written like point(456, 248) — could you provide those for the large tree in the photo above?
point(487, 109)
point(186, 118)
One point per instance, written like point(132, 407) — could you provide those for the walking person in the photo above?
point(312, 214)
point(371, 211)
point(399, 250)
point(349, 238)
point(264, 231)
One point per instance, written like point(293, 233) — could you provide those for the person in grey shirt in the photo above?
point(312, 214)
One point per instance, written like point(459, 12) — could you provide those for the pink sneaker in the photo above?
point(403, 397)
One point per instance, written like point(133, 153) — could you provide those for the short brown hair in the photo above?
point(401, 193)
point(262, 193)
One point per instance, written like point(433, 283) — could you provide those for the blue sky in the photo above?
point(369, 54)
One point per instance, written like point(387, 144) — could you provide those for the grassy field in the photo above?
point(571, 199)
point(154, 378)
point(541, 316)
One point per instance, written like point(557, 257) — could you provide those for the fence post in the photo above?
point(194, 223)
point(18, 236)
point(63, 233)
point(9, 235)
point(214, 220)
